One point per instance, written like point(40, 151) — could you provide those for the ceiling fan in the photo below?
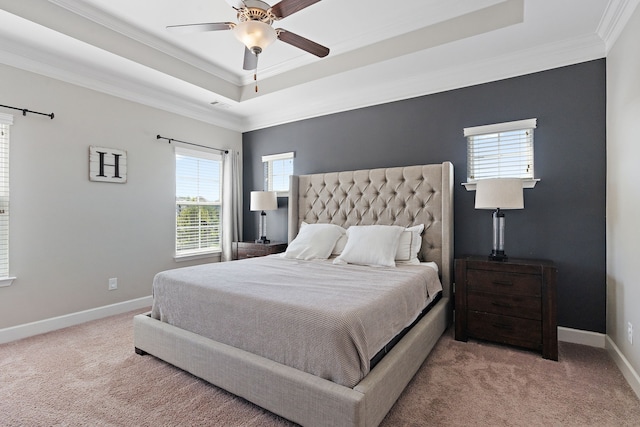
point(254, 28)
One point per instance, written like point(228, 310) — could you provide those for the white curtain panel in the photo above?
point(231, 203)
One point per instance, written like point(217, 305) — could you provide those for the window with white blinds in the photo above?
point(277, 170)
point(503, 150)
point(198, 202)
point(6, 120)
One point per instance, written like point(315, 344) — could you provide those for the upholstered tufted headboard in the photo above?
point(403, 196)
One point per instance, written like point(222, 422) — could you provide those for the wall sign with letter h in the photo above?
point(107, 165)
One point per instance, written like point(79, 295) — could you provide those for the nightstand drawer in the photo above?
point(244, 250)
point(251, 252)
point(510, 302)
point(506, 329)
point(503, 283)
point(509, 305)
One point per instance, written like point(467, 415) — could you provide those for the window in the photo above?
point(503, 150)
point(277, 169)
point(198, 202)
point(6, 120)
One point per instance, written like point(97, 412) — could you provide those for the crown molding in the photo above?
point(500, 67)
point(106, 20)
point(614, 19)
point(540, 58)
point(35, 60)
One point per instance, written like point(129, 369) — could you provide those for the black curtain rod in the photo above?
point(190, 143)
point(25, 111)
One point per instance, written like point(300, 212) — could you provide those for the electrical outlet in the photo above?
point(113, 283)
point(630, 333)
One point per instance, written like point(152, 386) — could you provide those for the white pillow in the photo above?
point(314, 241)
point(374, 245)
point(410, 244)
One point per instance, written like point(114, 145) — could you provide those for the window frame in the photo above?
point(500, 128)
point(6, 121)
point(186, 254)
point(267, 167)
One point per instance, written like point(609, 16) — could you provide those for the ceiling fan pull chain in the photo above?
point(255, 78)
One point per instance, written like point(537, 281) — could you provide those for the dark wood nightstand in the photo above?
point(511, 302)
point(243, 250)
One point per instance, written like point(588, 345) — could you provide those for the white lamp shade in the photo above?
point(503, 193)
point(255, 34)
point(264, 201)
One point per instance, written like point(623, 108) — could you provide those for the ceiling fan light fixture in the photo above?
point(255, 35)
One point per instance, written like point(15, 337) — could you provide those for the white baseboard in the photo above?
point(595, 339)
point(625, 367)
point(42, 326)
point(576, 336)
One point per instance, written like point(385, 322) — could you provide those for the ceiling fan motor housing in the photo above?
point(256, 10)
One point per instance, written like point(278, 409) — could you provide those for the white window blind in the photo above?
point(503, 150)
point(277, 169)
point(6, 120)
point(198, 202)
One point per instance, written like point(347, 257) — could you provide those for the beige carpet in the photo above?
point(88, 375)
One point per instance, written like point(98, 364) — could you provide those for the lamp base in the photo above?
point(498, 256)
point(263, 240)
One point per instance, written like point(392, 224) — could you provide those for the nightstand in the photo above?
point(243, 250)
point(510, 302)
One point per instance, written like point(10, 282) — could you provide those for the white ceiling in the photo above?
point(380, 52)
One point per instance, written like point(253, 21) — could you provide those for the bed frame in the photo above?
point(403, 196)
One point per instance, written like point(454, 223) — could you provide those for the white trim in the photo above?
point(594, 339)
point(281, 156)
point(6, 119)
point(6, 281)
point(201, 153)
point(526, 183)
point(217, 254)
point(614, 19)
point(623, 364)
point(501, 127)
point(47, 325)
point(577, 336)
point(94, 14)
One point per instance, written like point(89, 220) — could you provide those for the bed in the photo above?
point(402, 196)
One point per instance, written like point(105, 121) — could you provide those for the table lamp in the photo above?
point(499, 193)
point(263, 201)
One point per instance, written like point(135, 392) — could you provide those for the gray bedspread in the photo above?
point(324, 319)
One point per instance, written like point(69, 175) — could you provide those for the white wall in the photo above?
point(623, 195)
point(70, 235)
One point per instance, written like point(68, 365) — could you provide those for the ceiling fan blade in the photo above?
point(236, 4)
point(289, 7)
point(195, 28)
point(302, 43)
point(250, 60)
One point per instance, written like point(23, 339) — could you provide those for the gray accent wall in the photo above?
point(564, 215)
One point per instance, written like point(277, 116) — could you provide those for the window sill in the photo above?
point(190, 257)
point(6, 281)
point(526, 183)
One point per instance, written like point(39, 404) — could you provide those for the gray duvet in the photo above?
point(324, 319)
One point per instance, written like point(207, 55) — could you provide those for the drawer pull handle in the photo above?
point(503, 326)
point(501, 304)
point(502, 283)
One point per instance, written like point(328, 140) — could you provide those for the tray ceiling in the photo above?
point(378, 54)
